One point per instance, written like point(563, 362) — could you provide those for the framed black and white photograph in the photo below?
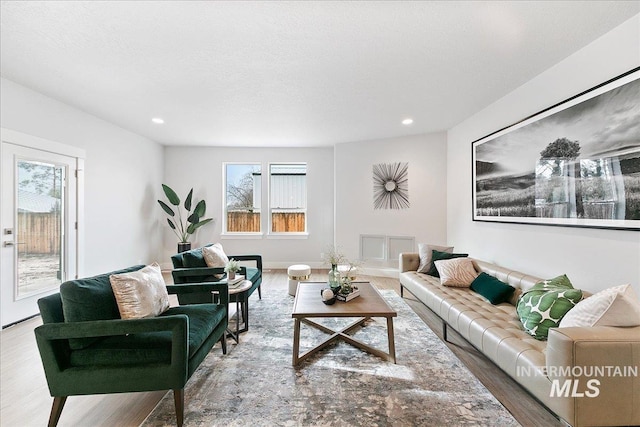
point(576, 163)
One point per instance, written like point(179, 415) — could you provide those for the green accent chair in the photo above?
point(86, 348)
point(190, 267)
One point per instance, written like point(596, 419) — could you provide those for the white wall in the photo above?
point(201, 168)
point(123, 172)
point(592, 258)
point(425, 219)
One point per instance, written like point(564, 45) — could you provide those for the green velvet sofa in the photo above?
point(87, 349)
point(190, 267)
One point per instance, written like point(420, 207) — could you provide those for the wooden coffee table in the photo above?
point(308, 304)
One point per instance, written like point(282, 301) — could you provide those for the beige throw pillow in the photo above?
point(425, 251)
point(617, 306)
point(456, 272)
point(214, 256)
point(141, 293)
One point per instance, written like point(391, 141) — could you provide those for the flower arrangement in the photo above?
point(339, 279)
point(345, 278)
point(232, 266)
point(333, 256)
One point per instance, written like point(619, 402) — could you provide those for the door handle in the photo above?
point(7, 244)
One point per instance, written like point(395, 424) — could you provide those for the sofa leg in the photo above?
point(444, 331)
point(260, 291)
point(223, 342)
point(401, 291)
point(56, 410)
point(178, 398)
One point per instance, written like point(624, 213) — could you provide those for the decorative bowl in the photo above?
point(324, 294)
point(329, 301)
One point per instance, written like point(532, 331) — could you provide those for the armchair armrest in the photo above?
point(105, 328)
point(256, 258)
point(54, 355)
point(216, 288)
point(180, 273)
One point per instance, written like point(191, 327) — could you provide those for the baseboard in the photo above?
point(279, 265)
point(367, 271)
point(380, 272)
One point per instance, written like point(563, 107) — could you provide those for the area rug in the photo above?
point(256, 385)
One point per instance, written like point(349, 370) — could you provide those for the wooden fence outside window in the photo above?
point(281, 222)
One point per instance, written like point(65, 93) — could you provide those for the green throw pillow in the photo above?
point(496, 291)
point(437, 256)
point(545, 304)
point(193, 258)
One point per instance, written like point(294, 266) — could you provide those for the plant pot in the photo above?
point(231, 275)
point(184, 246)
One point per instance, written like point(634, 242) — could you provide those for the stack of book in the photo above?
point(235, 281)
point(348, 297)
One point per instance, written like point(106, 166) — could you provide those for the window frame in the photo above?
point(286, 234)
point(240, 234)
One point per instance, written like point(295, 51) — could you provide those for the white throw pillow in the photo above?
point(141, 293)
point(456, 272)
point(426, 251)
point(214, 256)
point(617, 306)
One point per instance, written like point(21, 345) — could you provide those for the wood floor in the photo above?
point(25, 399)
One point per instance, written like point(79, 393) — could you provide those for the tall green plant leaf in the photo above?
point(201, 208)
point(187, 203)
point(193, 227)
point(193, 218)
point(171, 195)
point(171, 224)
point(166, 208)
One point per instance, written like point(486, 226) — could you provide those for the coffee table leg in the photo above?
point(390, 337)
point(296, 341)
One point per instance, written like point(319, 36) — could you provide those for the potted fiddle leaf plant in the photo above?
point(184, 225)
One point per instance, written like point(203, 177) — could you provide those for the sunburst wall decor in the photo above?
point(391, 186)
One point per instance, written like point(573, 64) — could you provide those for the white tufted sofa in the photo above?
point(496, 331)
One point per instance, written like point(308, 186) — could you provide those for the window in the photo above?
point(288, 197)
point(243, 197)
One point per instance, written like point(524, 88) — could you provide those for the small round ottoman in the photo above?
point(297, 273)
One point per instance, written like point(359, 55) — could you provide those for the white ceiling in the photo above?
point(290, 73)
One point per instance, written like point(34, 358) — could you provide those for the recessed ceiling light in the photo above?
point(157, 120)
point(407, 122)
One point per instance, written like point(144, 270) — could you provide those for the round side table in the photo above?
point(240, 290)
